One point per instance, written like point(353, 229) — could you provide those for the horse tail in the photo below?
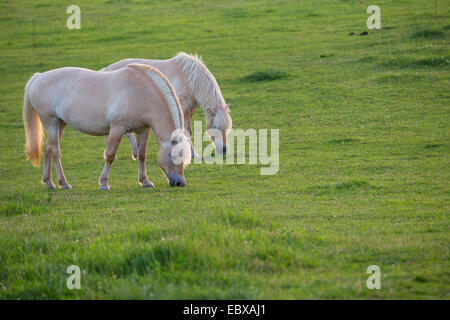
point(33, 127)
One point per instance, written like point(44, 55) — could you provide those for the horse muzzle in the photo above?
point(220, 147)
point(176, 180)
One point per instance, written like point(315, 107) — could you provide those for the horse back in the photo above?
point(83, 98)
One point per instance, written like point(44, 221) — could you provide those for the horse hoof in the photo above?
point(50, 186)
point(66, 186)
point(134, 156)
point(104, 188)
point(148, 184)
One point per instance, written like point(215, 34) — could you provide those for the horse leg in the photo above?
point(52, 152)
point(112, 143)
point(51, 127)
point(62, 126)
point(133, 145)
point(47, 175)
point(142, 139)
point(57, 158)
point(187, 114)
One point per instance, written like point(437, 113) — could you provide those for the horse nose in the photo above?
point(181, 183)
point(177, 181)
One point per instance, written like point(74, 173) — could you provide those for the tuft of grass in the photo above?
point(267, 75)
point(403, 62)
point(353, 185)
point(163, 256)
point(366, 59)
point(420, 278)
point(240, 218)
point(390, 78)
point(429, 34)
point(433, 146)
point(433, 62)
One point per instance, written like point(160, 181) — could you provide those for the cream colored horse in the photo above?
point(133, 99)
point(195, 85)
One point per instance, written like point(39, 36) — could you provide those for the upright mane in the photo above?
point(166, 89)
point(202, 82)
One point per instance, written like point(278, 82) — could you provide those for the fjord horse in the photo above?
point(195, 85)
point(137, 98)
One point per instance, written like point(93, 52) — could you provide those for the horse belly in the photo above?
point(87, 120)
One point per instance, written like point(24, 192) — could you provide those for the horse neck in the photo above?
point(163, 125)
point(208, 95)
point(162, 118)
point(179, 80)
point(201, 90)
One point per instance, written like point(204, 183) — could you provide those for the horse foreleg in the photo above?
point(133, 145)
point(142, 139)
point(112, 143)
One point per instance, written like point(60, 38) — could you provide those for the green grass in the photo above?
point(267, 75)
point(364, 156)
point(429, 34)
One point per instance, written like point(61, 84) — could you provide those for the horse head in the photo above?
point(173, 157)
point(218, 126)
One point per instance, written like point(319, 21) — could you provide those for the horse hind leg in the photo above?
point(57, 158)
point(133, 145)
point(53, 152)
point(51, 127)
point(47, 175)
point(187, 125)
point(61, 126)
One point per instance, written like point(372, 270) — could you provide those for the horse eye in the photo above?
point(174, 143)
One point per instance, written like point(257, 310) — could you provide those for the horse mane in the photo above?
point(204, 86)
point(166, 89)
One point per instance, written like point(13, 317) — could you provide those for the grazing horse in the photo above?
point(136, 99)
point(195, 85)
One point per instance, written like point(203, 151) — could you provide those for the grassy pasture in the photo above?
point(364, 156)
